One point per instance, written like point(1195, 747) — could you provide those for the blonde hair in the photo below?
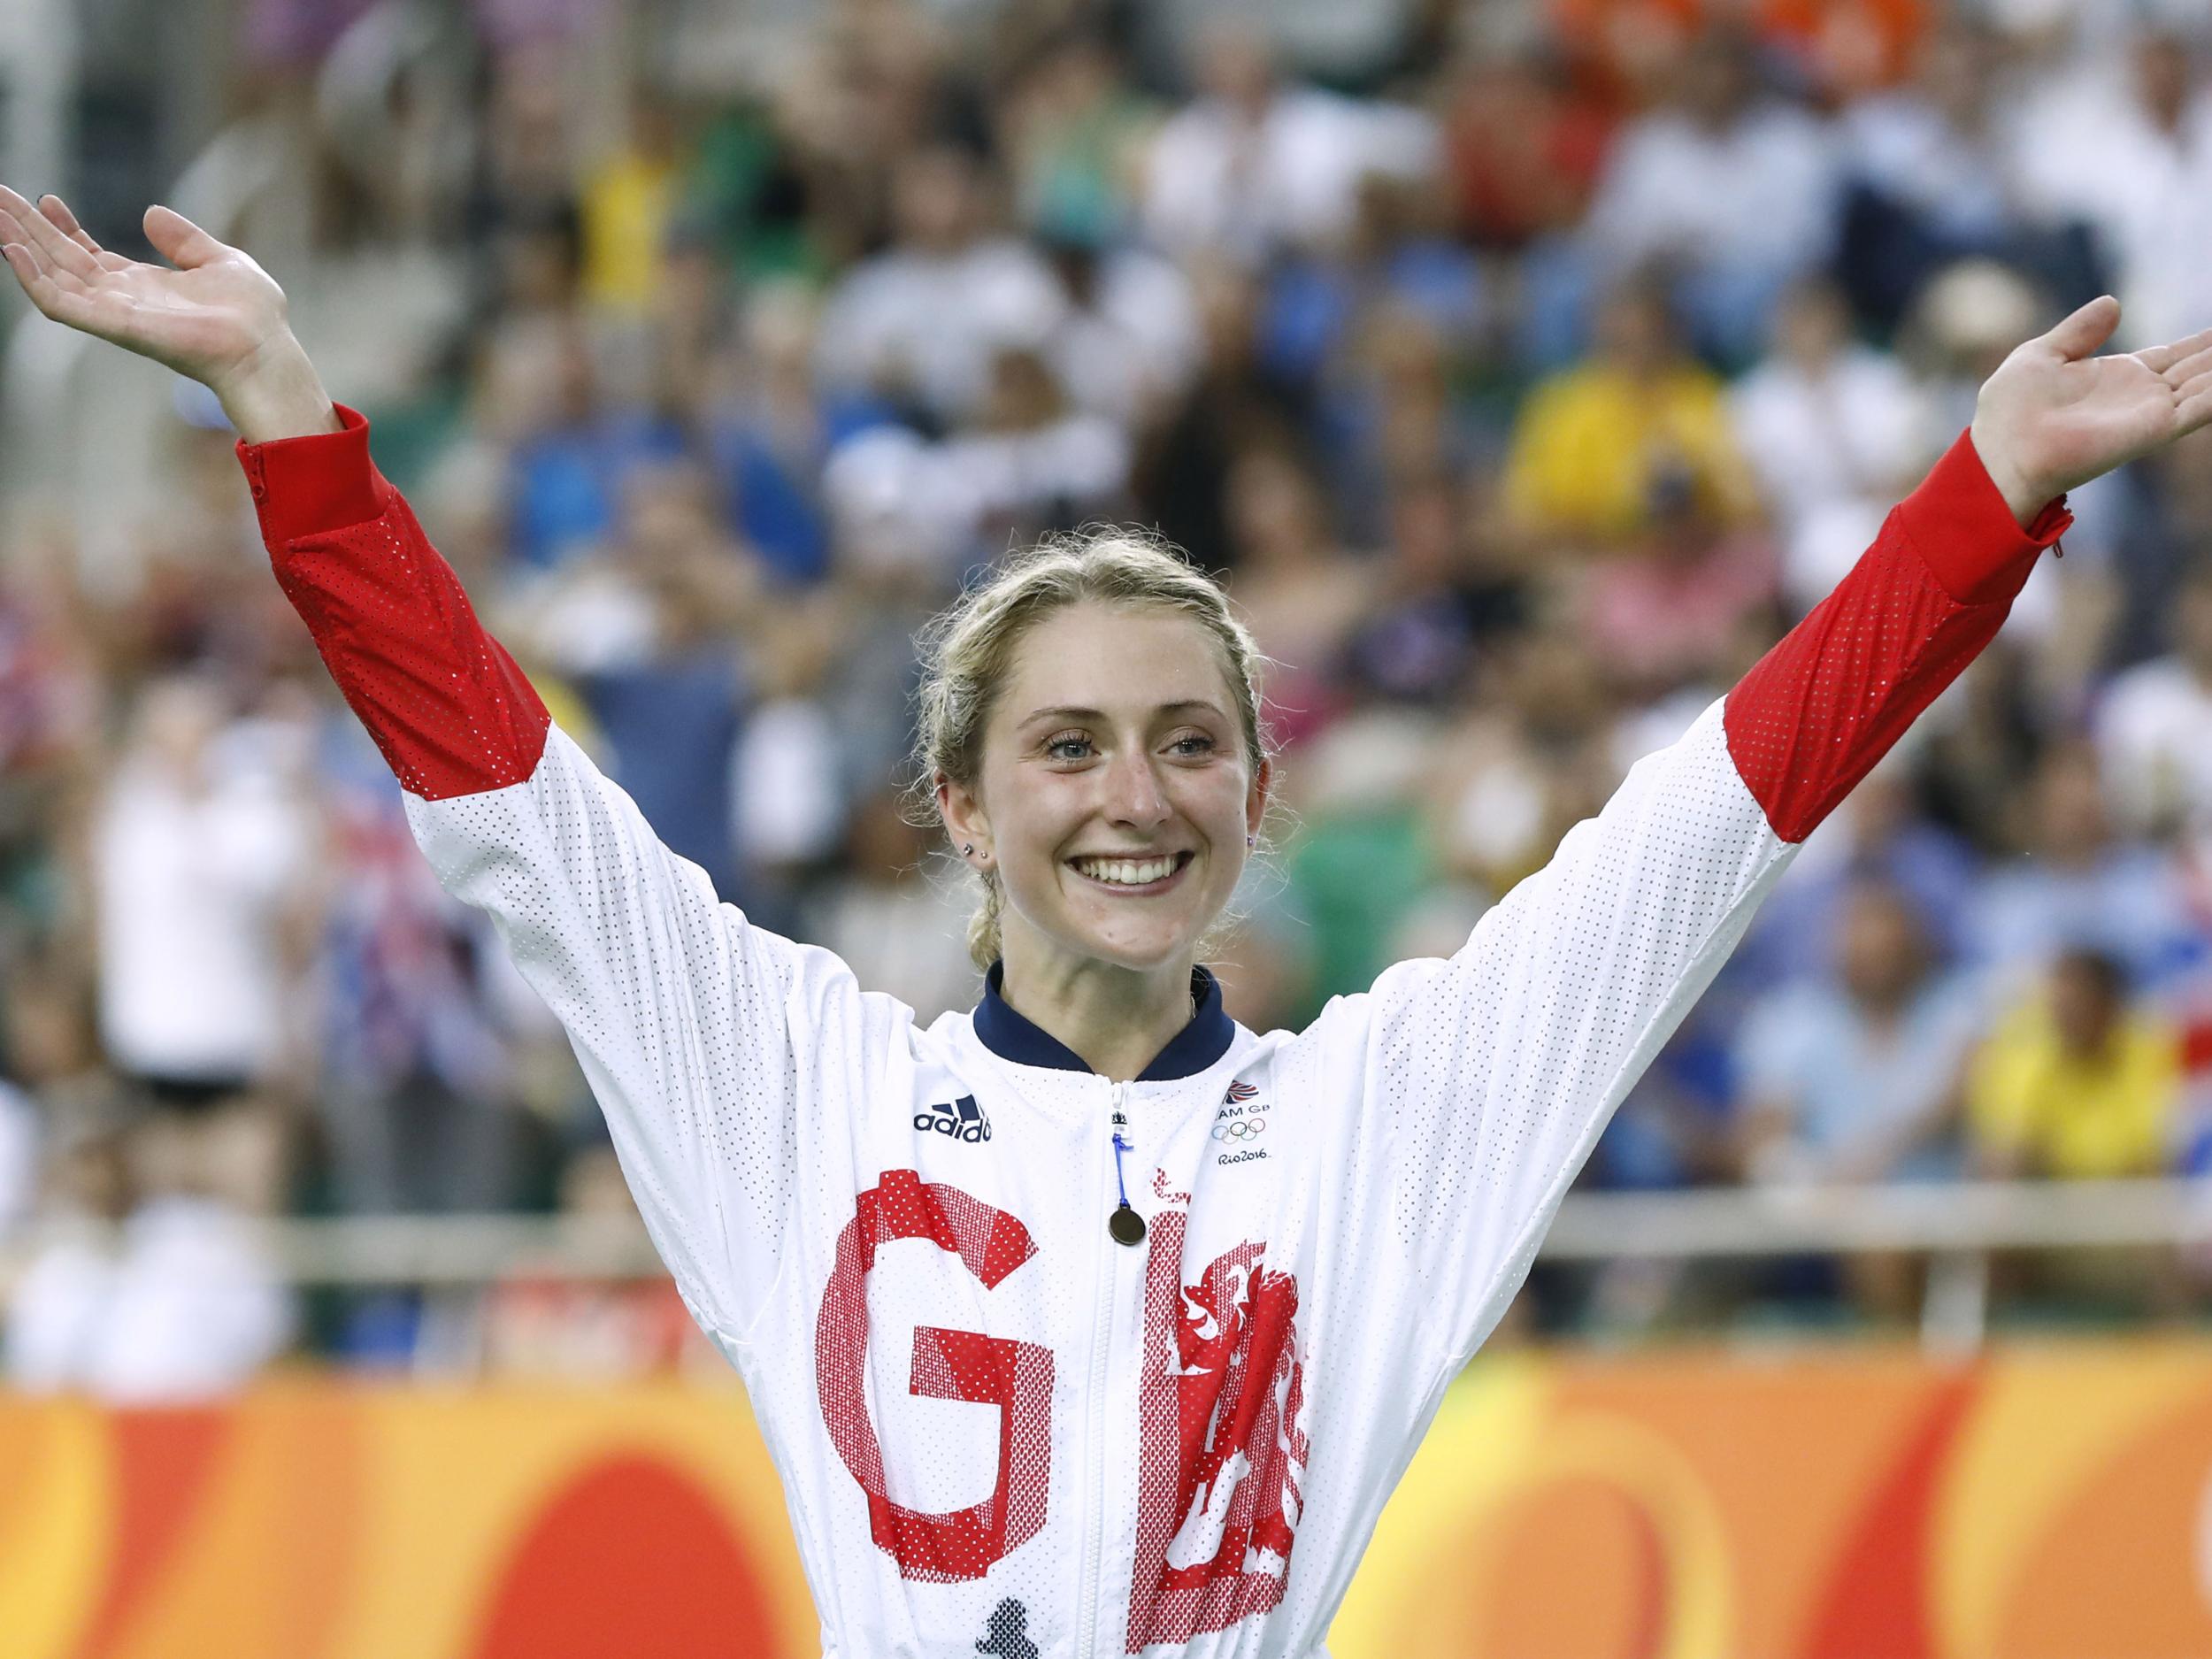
point(968, 650)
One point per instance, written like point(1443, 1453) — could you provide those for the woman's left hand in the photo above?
point(2054, 416)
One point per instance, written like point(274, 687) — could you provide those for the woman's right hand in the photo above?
point(218, 318)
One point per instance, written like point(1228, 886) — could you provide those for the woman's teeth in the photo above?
point(1129, 872)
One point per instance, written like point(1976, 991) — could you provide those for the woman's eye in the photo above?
point(1059, 747)
point(1195, 744)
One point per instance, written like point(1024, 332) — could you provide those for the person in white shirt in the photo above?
point(2130, 153)
point(1831, 429)
point(1253, 166)
point(1090, 1316)
point(2153, 725)
point(1734, 192)
point(141, 1299)
point(923, 320)
point(196, 846)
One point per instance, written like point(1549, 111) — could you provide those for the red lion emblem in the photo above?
point(1225, 1440)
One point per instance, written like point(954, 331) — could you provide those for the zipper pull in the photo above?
point(1124, 1225)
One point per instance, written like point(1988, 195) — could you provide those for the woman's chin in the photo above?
point(1138, 949)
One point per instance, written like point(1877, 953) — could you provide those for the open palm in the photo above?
point(2053, 416)
point(208, 318)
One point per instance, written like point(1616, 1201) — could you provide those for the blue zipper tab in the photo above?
point(1126, 1224)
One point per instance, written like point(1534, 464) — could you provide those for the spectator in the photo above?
point(1078, 131)
point(645, 626)
point(1523, 144)
point(904, 932)
point(626, 204)
point(2084, 888)
point(1523, 761)
point(1880, 835)
point(2076, 1083)
point(567, 473)
point(415, 1089)
point(199, 843)
point(1439, 596)
point(1130, 341)
point(2132, 155)
point(1735, 191)
point(1593, 444)
point(1253, 167)
point(1298, 594)
point(1832, 430)
point(1855, 1077)
point(770, 435)
point(919, 324)
point(1670, 611)
point(1934, 177)
point(1230, 404)
point(2155, 728)
point(145, 1296)
point(1029, 463)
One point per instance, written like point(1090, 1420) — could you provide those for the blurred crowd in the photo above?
point(1526, 368)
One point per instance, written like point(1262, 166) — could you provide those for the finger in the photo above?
point(179, 240)
point(56, 250)
point(2189, 368)
point(2086, 329)
point(58, 214)
point(2158, 359)
point(2195, 384)
point(12, 229)
point(2193, 411)
point(75, 309)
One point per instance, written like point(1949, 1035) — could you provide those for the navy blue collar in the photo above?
point(1190, 1051)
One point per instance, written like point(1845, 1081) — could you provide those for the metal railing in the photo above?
point(1960, 1227)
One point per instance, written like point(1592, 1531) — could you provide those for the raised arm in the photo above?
point(1488, 1077)
point(728, 1060)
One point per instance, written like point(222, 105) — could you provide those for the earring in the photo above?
point(966, 848)
point(1251, 840)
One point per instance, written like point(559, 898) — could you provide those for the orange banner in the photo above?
point(2047, 1505)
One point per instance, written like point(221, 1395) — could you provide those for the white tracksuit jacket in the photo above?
point(1001, 1431)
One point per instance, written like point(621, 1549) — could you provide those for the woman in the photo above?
point(1089, 1322)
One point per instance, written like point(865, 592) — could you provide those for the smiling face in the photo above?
point(1114, 795)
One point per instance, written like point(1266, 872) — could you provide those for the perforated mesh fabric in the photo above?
point(442, 699)
point(713, 1047)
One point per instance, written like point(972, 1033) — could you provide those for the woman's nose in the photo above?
point(1134, 796)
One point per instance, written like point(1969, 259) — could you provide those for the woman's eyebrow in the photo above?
point(1068, 711)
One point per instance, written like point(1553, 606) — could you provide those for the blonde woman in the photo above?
point(1089, 1322)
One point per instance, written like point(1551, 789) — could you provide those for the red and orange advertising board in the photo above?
point(2051, 1504)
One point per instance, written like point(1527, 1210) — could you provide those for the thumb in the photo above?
point(178, 240)
point(2086, 329)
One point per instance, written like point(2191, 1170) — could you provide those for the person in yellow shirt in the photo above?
point(2074, 1084)
point(627, 201)
point(1596, 445)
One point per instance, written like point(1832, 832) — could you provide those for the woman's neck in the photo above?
point(1114, 1019)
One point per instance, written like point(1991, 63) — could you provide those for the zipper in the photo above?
point(1093, 1428)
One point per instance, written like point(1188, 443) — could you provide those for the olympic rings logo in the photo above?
point(1242, 1129)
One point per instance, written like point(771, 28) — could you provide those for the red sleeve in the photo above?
point(1816, 713)
point(448, 706)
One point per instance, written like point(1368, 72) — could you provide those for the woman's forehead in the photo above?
point(1115, 658)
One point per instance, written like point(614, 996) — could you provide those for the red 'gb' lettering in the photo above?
point(966, 1365)
point(1224, 1444)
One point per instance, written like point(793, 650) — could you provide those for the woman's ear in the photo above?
point(1256, 797)
point(964, 819)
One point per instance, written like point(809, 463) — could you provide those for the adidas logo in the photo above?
point(961, 1119)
